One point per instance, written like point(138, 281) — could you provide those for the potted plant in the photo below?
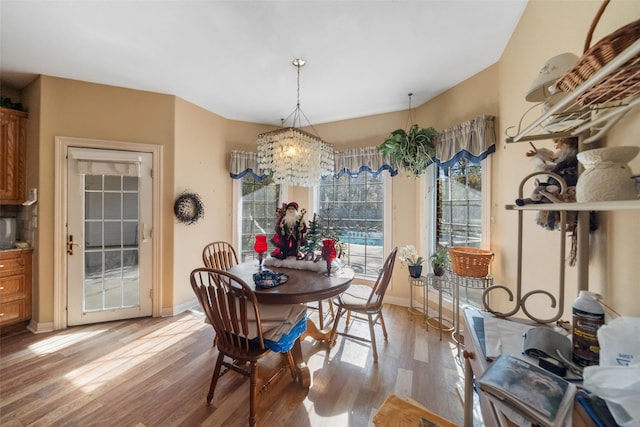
point(439, 261)
point(414, 150)
point(409, 255)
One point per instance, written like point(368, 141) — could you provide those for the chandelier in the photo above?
point(293, 156)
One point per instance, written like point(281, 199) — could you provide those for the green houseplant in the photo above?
point(409, 255)
point(413, 150)
point(439, 261)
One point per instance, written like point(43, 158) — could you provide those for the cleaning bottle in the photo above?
point(588, 316)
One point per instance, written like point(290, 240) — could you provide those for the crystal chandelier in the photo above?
point(293, 156)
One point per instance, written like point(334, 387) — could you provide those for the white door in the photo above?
point(109, 234)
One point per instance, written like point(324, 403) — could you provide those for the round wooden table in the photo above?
point(303, 286)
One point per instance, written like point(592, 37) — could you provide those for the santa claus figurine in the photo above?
point(290, 231)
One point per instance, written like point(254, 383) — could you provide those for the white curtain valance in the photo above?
point(106, 162)
point(474, 139)
point(357, 160)
point(244, 162)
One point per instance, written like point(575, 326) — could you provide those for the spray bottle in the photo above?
point(588, 316)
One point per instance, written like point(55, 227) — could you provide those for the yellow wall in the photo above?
point(202, 168)
point(196, 146)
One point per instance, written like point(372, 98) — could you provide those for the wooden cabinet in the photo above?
point(13, 156)
point(15, 286)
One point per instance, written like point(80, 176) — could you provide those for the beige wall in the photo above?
point(61, 107)
point(200, 168)
point(202, 141)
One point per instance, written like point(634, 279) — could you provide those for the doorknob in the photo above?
point(70, 245)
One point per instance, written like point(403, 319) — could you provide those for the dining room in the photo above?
point(189, 175)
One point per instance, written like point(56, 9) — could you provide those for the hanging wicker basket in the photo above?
point(615, 86)
point(470, 262)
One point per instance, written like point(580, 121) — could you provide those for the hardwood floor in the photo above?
point(156, 372)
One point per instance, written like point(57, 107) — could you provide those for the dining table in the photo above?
point(302, 286)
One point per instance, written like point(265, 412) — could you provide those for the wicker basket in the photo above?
point(470, 262)
point(614, 87)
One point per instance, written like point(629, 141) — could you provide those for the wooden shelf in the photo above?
point(616, 205)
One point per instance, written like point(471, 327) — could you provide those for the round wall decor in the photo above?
point(188, 208)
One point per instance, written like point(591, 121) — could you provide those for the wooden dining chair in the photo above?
point(219, 255)
point(231, 307)
point(366, 301)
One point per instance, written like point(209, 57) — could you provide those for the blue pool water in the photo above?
point(361, 241)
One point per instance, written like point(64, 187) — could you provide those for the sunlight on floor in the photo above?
point(57, 343)
point(116, 363)
point(477, 414)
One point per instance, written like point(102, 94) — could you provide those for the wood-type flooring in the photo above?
point(156, 372)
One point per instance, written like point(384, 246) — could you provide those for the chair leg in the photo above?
point(372, 323)
point(214, 378)
point(348, 317)
point(334, 329)
point(320, 315)
point(292, 364)
point(253, 404)
point(384, 328)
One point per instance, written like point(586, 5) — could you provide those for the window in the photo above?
point(258, 203)
point(459, 205)
point(354, 209)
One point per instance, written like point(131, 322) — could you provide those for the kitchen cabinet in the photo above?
point(13, 156)
point(15, 286)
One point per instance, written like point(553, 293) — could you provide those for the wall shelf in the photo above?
point(590, 121)
point(557, 298)
point(616, 205)
point(571, 118)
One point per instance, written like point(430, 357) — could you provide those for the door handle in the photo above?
point(70, 245)
point(143, 237)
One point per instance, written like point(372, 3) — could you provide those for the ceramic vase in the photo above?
point(415, 271)
point(607, 176)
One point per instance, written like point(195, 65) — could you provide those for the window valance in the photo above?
point(244, 162)
point(352, 162)
point(474, 139)
point(357, 160)
point(106, 162)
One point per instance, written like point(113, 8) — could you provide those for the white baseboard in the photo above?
point(174, 311)
point(40, 327)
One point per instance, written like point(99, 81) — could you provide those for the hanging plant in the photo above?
point(413, 150)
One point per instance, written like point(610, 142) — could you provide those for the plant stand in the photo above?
point(420, 283)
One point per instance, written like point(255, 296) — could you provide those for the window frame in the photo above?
point(387, 227)
point(428, 205)
point(236, 227)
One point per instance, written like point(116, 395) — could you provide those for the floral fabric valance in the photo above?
point(474, 139)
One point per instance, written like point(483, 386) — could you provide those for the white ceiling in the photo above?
point(234, 57)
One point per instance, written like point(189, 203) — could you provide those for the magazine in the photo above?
point(536, 394)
